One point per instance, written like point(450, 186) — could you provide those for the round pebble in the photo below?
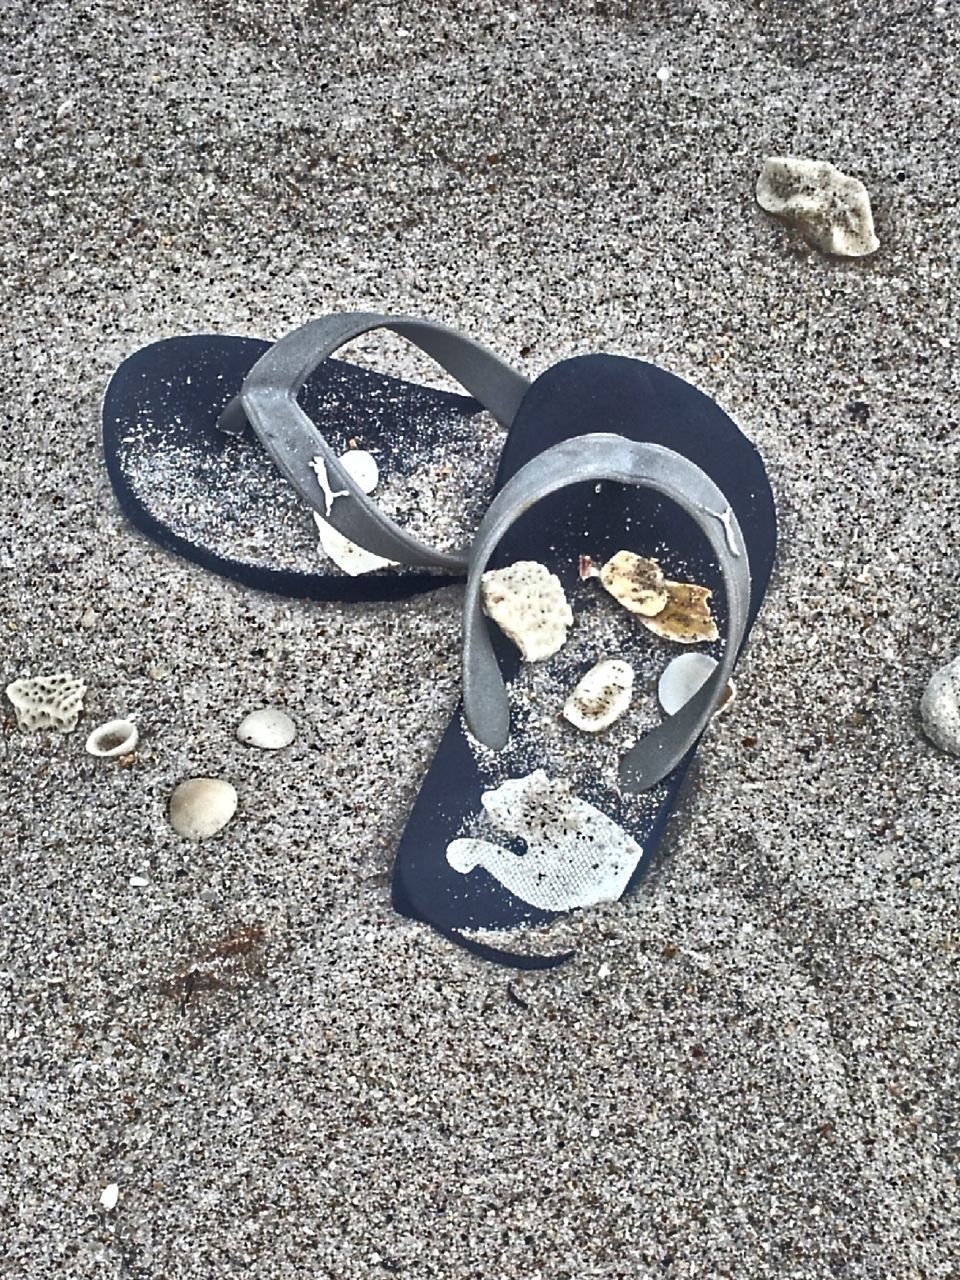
point(200, 807)
point(269, 728)
point(940, 708)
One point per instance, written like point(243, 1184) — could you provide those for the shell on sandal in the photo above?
point(685, 676)
point(601, 696)
point(635, 581)
point(686, 616)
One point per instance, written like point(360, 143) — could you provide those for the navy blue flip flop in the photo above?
point(212, 443)
point(522, 817)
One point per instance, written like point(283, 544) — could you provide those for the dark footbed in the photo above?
point(644, 403)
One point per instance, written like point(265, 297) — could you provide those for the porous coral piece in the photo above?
point(48, 702)
point(829, 208)
point(686, 617)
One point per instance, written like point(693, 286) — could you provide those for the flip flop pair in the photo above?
point(213, 450)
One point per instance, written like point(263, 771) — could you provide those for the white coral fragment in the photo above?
point(48, 702)
point(635, 581)
point(601, 696)
point(528, 604)
point(575, 855)
point(829, 208)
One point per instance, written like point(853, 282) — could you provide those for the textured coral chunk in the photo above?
point(527, 603)
point(829, 208)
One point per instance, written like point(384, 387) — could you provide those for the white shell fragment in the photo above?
point(200, 807)
point(269, 728)
point(347, 555)
point(575, 855)
point(109, 1196)
point(686, 617)
point(635, 581)
point(601, 696)
point(362, 468)
point(940, 708)
point(48, 702)
point(829, 208)
point(685, 676)
point(527, 603)
point(115, 738)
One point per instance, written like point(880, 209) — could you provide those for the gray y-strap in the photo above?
point(268, 402)
point(603, 456)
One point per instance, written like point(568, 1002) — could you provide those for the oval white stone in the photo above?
point(200, 807)
point(601, 696)
point(940, 708)
point(269, 728)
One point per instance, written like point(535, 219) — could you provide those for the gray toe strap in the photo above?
point(268, 402)
point(596, 457)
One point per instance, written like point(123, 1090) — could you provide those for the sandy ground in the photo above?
point(751, 1069)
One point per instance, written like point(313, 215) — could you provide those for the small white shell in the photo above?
point(115, 738)
point(940, 708)
point(684, 676)
point(527, 603)
point(362, 467)
point(601, 696)
point(109, 1196)
point(269, 728)
point(830, 209)
point(48, 702)
point(200, 807)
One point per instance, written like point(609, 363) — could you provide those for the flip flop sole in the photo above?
point(643, 403)
point(218, 500)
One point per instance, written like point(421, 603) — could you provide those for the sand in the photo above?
point(751, 1067)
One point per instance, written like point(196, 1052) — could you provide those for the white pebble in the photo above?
point(269, 728)
point(940, 708)
point(139, 882)
point(110, 1195)
point(200, 807)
